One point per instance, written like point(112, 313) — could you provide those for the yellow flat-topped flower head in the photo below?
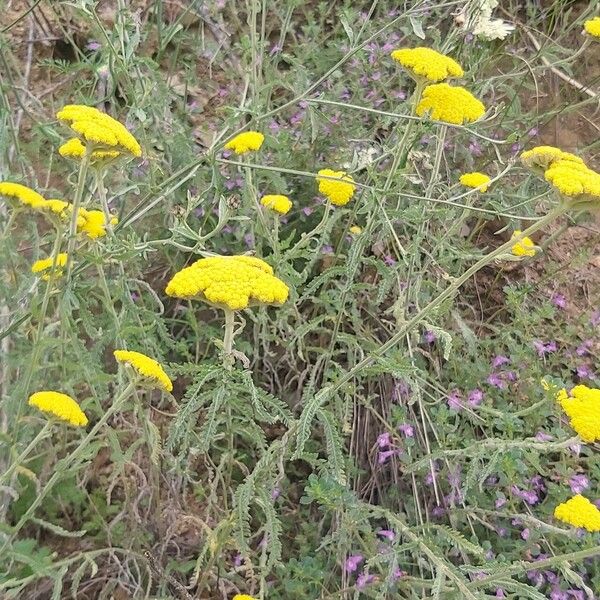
point(75, 148)
point(229, 282)
point(574, 180)
point(579, 512)
point(592, 27)
point(243, 597)
point(541, 157)
point(339, 190)
point(59, 405)
point(427, 63)
point(94, 223)
point(355, 230)
point(246, 142)
point(582, 406)
point(22, 194)
point(524, 247)
point(278, 203)
point(478, 181)
point(147, 367)
point(451, 104)
point(48, 268)
point(98, 129)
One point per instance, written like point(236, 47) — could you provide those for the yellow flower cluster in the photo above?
point(583, 409)
point(243, 597)
point(427, 63)
point(574, 179)
point(524, 247)
point(74, 148)
point(451, 104)
point(355, 230)
point(59, 405)
point(246, 142)
point(147, 367)
point(592, 27)
point(579, 512)
point(339, 190)
point(277, 202)
point(49, 267)
point(231, 282)
point(543, 156)
point(479, 181)
point(98, 129)
point(90, 222)
point(22, 193)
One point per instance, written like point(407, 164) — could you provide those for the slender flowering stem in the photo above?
point(70, 462)
point(35, 354)
point(19, 459)
point(83, 169)
point(228, 338)
point(101, 188)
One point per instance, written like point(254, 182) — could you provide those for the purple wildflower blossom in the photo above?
point(384, 455)
point(542, 436)
point(475, 397)
point(454, 401)
point(383, 439)
point(406, 429)
point(559, 300)
point(578, 483)
point(388, 534)
point(500, 360)
point(364, 579)
point(352, 562)
point(327, 249)
point(497, 381)
point(430, 337)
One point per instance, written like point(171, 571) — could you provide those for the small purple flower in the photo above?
point(500, 593)
point(559, 301)
point(475, 397)
point(327, 249)
point(544, 348)
point(274, 126)
point(383, 456)
point(578, 483)
point(389, 260)
point(583, 348)
point(383, 440)
point(500, 502)
point(438, 512)
point(497, 381)
point(541, 436)
point(500, 360)
point(584, 372)
point(307, 210)
point(398, 574)
point(575, 449)
point(364, 579)
point(533, 132)
point(237, 560)
point(454, 401)
point(475, 148)
point(595, 318)
point(407, 429)
point(275, 49)
point(399, 95)
point(276, 492)
point(388, 534)
point(352, 562)
point(93, 45)
point(430, 337)
point(525, 533)
point(249, 240)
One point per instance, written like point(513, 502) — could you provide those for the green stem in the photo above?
point(228, 339)
point(69, 463)
point(41, 434)
point(35, 354)
point(101, 188)
point(83, 169)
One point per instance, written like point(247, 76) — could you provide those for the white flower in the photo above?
point(492, 29)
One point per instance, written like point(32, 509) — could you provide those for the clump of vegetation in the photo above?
point(281, 316)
